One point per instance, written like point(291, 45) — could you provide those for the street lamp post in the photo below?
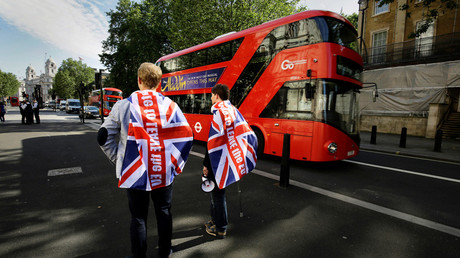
point(82, 107)
point(101, 96)
point(363, 5)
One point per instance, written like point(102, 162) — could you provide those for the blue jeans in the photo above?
point(139, 206)
point(219, 209)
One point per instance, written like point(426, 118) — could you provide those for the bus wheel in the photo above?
point(260, 143)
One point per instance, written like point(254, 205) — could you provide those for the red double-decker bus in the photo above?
point(297, 75)
point(111, 95)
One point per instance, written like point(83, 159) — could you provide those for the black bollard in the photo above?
point(284, 173)
point(402, 141)
point(438, 141)
point(374, 135)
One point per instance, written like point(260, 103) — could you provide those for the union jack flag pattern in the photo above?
point(232, 144)
point(158, 143)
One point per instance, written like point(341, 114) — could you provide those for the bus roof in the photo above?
point(112, 89)
point(269, 24)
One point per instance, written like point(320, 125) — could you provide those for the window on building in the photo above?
point(379, 46)
point(380, 9)
point(424, 42)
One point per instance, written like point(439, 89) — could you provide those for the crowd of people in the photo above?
point(29, 111)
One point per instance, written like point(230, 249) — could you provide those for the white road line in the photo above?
point(65, 171)
point(197, 154)
point(367, 205)
point(404, 171)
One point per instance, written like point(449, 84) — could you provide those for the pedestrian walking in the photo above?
point(230, 154)
point(149, 140)
point(36, 111)
point(2, 112)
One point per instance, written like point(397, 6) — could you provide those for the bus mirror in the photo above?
point(309, 92)
point(375, 94)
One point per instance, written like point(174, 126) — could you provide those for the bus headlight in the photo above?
point(332, 147)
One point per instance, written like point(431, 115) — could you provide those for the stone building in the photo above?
point(44, 81)
point(418, 78)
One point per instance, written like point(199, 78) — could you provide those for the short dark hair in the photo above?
point(222, 91)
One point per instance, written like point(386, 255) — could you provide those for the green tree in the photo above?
point(137, 33)
point(191, 25)
point(146, 30)
point(9, 84)
point(69, 76)
point(353, 18)
point(432, 9)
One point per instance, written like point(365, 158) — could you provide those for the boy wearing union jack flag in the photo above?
point(149, 140)
point(230, 154)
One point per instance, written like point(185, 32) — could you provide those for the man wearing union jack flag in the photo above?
point(231, 154)
point(149, 140)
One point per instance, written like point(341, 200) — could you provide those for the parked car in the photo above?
point(91, 112)
point(52, 104)
point(72, 106)
point(62, 105)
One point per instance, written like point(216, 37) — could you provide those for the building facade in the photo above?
point(34, 85)
point(418, 77)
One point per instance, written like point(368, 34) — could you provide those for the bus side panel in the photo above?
point(325, 135)
point(274, 130)
point(200, 125)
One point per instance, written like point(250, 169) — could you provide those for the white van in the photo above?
point(72, 106)
point(61, 105)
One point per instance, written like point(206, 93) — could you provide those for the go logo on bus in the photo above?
point(286, 64)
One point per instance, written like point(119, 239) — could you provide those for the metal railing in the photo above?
point(422, 50)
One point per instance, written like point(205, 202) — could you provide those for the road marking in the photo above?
point(404, 171)
point(367, 205)
point(65, 171)
point(197, 154)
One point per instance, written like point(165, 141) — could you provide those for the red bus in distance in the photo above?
point(111, 95)
point(14, 101)
point(297, 75)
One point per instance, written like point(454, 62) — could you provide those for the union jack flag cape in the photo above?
point(232, 144)
point(158, 143)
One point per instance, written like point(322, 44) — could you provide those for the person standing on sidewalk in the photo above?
point(230, 154)
point(149, 140)
point(2, 112)
point(36, 111)
point(22, 107)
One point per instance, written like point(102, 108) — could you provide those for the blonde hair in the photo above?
point(150, 75)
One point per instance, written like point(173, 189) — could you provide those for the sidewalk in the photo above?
point(415, 146)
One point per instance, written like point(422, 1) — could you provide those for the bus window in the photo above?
point(291, 102)
point(193, 103)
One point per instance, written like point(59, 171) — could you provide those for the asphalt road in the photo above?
point(58, 198)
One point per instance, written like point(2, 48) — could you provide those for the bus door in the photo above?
point(291, 113)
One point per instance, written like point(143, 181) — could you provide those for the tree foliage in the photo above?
point(69, 76)
point(191, 25)
point(353, 18)
point(432, 9)
point(143, 31)
point(137, 33)
point(9, 84)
